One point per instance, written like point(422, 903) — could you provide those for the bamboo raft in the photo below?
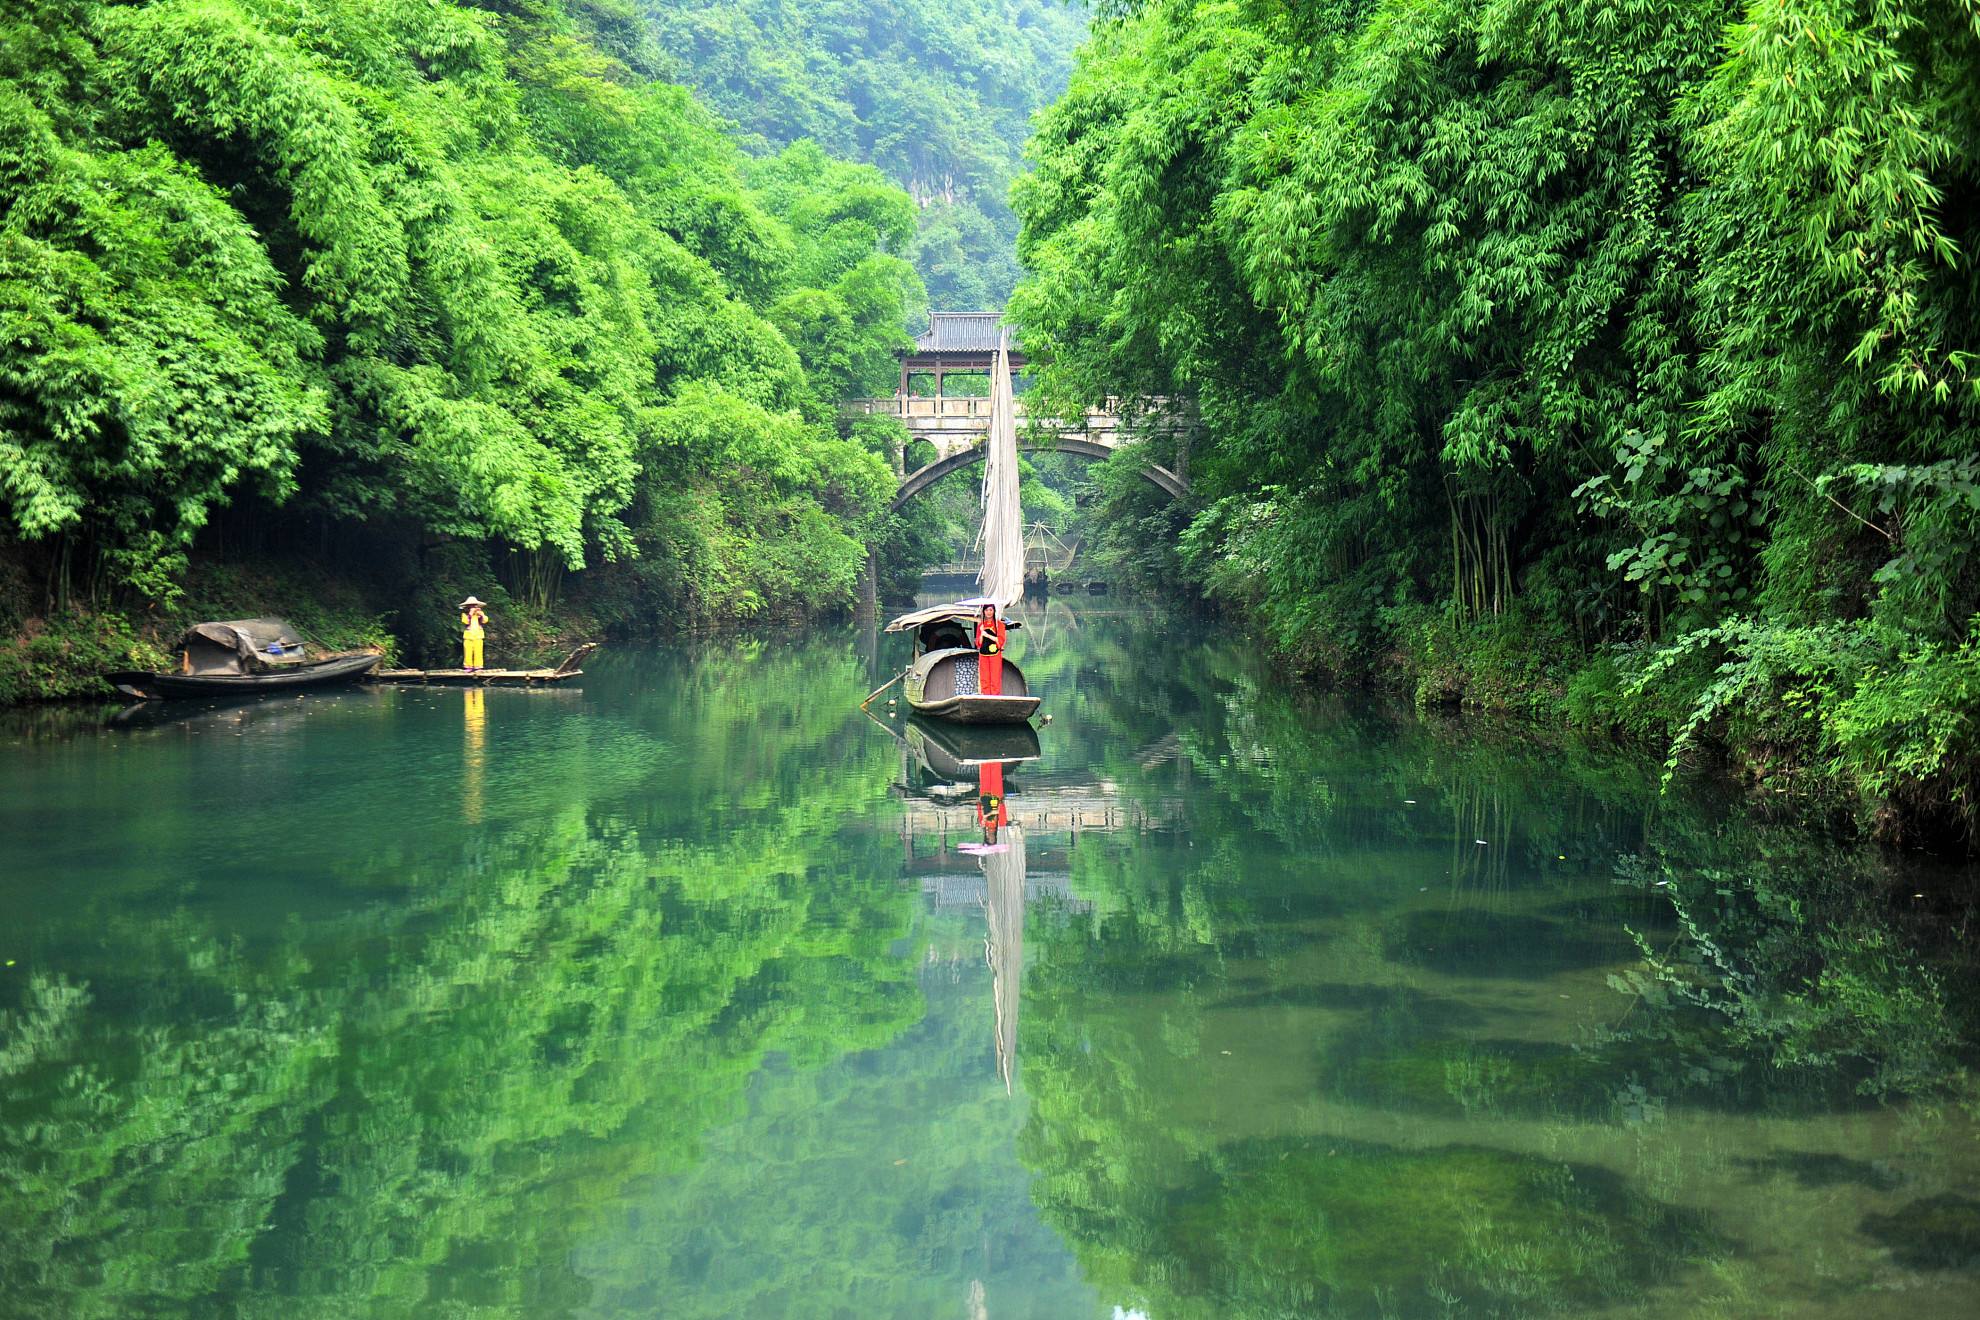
point(563, 673)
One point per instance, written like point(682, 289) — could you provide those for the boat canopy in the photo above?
point(240, 646)
point(957, 609)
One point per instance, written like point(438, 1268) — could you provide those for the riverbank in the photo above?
point(58, 655)
point(405, 604)
point(1872, 747)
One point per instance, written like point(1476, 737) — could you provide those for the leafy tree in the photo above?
point(1566, 330)
point(939, 97)
point(437, 271)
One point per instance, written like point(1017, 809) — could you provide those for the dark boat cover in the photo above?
point(241, 646)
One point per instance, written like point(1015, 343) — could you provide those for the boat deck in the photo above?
point(562, 673)
point(475, 677)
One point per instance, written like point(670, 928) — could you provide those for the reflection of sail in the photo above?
point(1003, 947)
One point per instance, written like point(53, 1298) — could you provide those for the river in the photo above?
point(678, 995)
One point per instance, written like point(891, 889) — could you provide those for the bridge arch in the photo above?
point(922, 478)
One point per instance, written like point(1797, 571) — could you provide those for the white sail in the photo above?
point(1002, 537)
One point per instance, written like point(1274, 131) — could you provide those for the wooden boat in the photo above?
point(941, 678)
point(566, 672)
point(241, 658)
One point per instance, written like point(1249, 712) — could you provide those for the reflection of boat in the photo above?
point(952, 752)
point(241, 657)
point(196, 715)
point(152, 715)
point(941, 679)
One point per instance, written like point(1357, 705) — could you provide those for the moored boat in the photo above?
point(941, 681)
point(242, 657)
point(941, 678)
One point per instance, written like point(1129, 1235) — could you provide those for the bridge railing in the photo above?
point(956, 423)
point(960, 405)
point(967, 408)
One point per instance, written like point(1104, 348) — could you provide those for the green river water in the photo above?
point(675, 996)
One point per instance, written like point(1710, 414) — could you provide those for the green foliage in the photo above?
point(149, 363)
point(849, 280)
point(1879, 707)
point(1652, 325)
point(1131, 528)
point(1910, 720)
point(421, 266)
point(755, 511)
point(938, 97)
point(67, 656)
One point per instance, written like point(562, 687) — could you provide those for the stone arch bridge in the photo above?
point(956, 427)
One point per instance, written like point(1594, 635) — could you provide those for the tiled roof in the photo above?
point(960, 332)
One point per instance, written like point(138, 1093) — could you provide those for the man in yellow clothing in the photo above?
point(473, 617)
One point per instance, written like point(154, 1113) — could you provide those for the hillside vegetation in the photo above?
point(1608, 360)
point(939, 96)
point(436, 293)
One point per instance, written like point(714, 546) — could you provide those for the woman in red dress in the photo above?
point(990, 637)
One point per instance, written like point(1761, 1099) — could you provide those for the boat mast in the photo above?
point(1001, 578)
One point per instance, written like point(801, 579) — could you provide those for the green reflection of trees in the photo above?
point(821, 1202)
point(136, 1179)
point(1314, 1052)
point(1175, 1199)
point(1814, 977)
point(421, 1100)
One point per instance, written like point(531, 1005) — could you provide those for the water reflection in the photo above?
point(694, 994)
point(474, 723)
point(1003, 945)
point(939, 759)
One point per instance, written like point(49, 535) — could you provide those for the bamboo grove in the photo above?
point(365, 279)
point(1613, 359)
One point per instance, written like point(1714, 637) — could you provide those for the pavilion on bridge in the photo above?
point(954, 344)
